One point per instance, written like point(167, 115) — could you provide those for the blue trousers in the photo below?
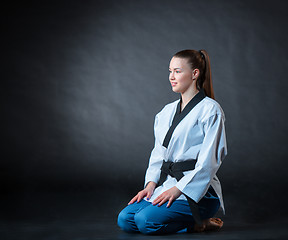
point(149, 219)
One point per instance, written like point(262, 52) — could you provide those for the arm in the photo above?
point(153, 171)
point(156, 158)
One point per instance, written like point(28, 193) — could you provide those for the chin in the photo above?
point(176, 90)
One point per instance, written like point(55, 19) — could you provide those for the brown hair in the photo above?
point(200, 60)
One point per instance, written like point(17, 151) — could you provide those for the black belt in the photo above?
point(176, 169)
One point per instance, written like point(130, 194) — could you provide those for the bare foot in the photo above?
point(210, 224)
point(199, 228)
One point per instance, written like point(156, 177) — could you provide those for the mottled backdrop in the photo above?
point(81, 82)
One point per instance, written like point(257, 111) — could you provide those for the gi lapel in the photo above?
point(180, 115)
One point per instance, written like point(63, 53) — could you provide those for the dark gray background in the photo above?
point(81, 82)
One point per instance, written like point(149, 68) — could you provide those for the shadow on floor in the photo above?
point(83, 217)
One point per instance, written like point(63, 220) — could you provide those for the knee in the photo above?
point(124, 222)
point(146, 225)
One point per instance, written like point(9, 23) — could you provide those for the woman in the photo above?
point(182, 191)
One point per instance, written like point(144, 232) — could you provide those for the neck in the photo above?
point(187, 96)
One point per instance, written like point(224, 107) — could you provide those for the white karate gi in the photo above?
point(200, 135)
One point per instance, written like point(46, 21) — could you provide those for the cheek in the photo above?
point(185, 79)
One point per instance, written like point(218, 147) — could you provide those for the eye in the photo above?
point(170, 71)
point(177, 71)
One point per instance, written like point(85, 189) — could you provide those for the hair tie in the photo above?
point(202, 55)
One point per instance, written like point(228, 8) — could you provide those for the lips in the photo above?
point(173, 84)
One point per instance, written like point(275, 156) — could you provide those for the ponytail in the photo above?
point(199, 59)
point(206, 76)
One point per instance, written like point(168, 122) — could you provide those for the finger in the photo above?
point(149, 194)
point(157, 200)
point(132, 200)
point(140, 196)
point(162, 202)
point(169, 202)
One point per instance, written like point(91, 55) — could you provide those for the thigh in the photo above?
point(126, 216)
point(178, 211)
point(162, 220)
point(135, 207)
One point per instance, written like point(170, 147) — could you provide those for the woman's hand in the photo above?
point(147, 192)
point(170, 195)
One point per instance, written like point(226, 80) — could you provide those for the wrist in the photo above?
point(151, 185)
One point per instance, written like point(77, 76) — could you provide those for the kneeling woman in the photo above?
point(182, 191)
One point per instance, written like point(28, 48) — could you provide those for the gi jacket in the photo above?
point(200, 135)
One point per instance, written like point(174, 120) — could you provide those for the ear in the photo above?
point(195, 73)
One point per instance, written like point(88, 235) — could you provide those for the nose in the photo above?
point(172, 77)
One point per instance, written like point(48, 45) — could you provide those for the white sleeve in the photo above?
point(213, 150)
point(156, 158)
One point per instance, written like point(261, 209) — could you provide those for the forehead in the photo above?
point(178, 63)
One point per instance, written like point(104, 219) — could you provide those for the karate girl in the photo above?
point(182, 192)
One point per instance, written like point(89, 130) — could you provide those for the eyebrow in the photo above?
point(175, 68)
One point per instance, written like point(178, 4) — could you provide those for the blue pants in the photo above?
point(148, 219)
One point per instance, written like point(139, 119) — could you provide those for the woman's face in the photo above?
point(181, 75)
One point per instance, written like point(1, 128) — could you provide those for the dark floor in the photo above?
point(80, 229)
point(83, 216)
